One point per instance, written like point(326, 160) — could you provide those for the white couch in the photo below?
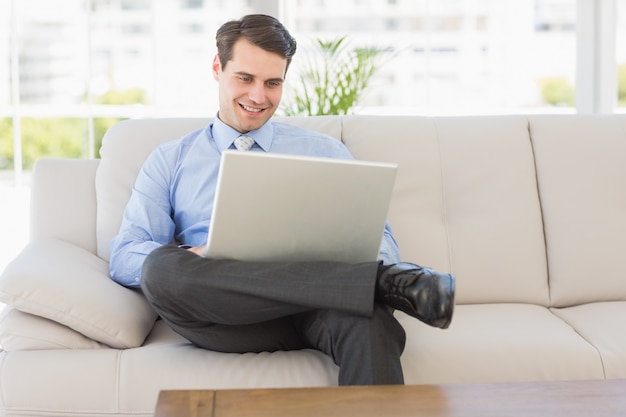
point(529, 212)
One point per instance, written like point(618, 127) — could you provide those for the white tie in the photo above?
point(244, 143)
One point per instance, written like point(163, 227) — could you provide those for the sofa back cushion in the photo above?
point(465, 200)
point(581, 171)
point(126, 146)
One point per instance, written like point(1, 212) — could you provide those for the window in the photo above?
point(81, 64)
point(492, 57)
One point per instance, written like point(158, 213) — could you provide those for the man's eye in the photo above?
point(245, 79)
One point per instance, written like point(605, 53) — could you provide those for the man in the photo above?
point(344, 310)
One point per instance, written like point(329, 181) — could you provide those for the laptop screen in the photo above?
point(272, 207)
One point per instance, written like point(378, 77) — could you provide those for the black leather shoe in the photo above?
point(418, 291)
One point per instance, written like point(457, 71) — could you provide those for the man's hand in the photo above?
point(198, 250)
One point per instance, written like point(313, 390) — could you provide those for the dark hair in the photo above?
point(261, 30)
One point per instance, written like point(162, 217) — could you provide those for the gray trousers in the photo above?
point(234, 306)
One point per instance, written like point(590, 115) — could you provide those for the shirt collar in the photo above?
point(225, 135)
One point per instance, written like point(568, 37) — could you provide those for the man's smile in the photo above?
point(251, 109)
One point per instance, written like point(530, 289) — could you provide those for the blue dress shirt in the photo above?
point(173, 195)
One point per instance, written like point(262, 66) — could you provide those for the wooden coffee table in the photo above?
point(605, 398)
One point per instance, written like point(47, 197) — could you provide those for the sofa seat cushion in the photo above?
point(59, 281)
point(601, 324)
point(496, 343)
point(127, 382)
point(23, 331)
point(62, 382)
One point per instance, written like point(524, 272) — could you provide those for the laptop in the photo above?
point(274, 207)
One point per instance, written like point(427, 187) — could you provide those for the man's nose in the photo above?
point(257, 93)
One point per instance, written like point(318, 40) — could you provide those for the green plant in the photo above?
point(557, 91)
point(333, 78)
point(621, 84)
point(43, 137)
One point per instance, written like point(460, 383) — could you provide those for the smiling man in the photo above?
point(344, 310)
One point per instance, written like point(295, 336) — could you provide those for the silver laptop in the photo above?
point(271, 207)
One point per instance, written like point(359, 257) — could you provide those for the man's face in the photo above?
point(250, 86)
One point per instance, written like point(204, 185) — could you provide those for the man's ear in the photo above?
point(217, 67)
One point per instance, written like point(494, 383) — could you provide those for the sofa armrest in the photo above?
point(63, 201)
point(59, 281)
